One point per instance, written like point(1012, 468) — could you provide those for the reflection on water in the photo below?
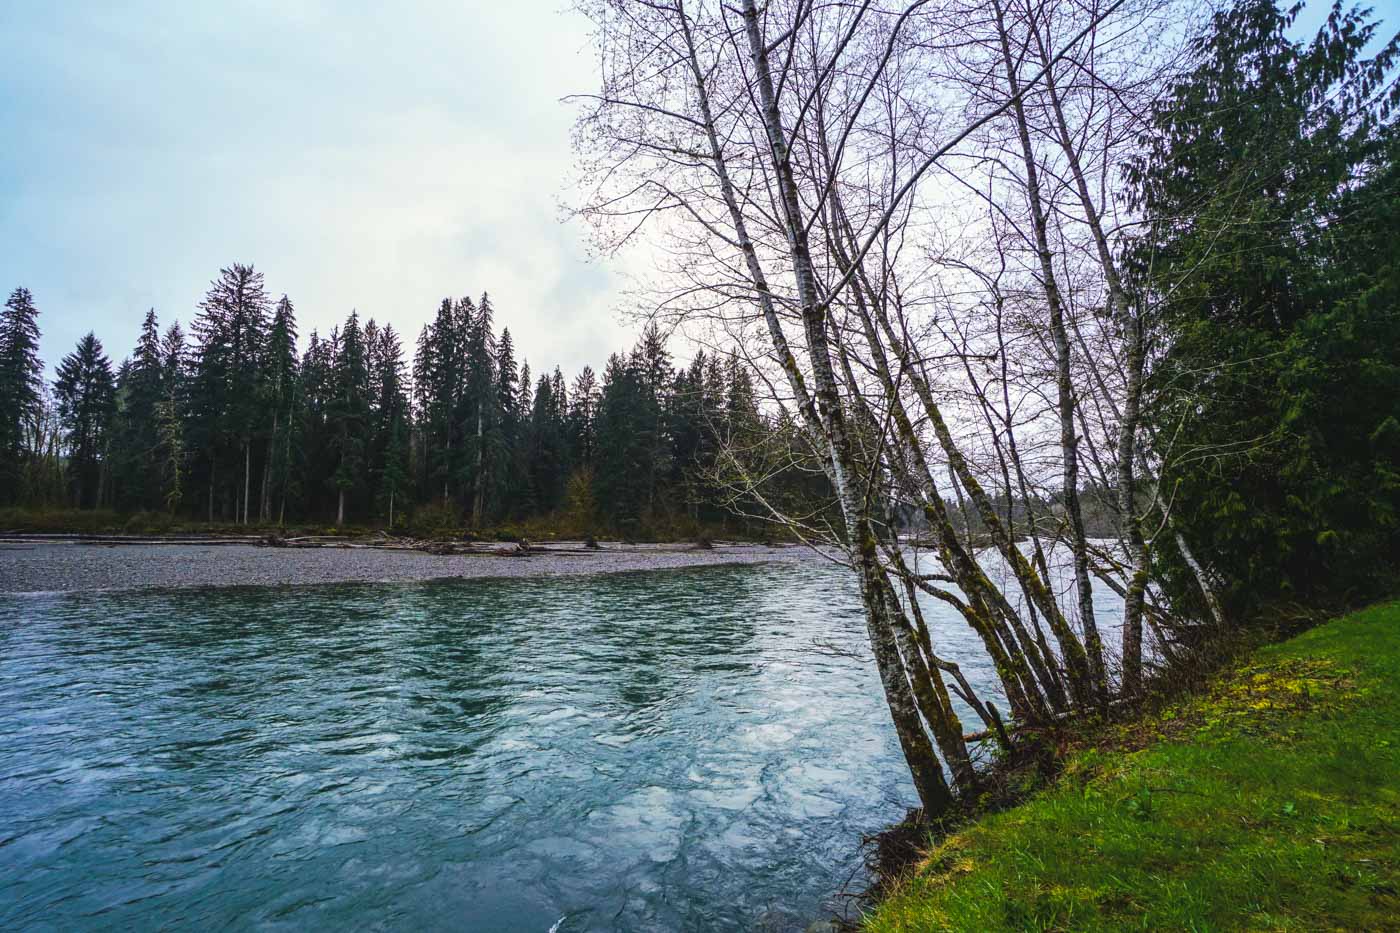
point(637, 751)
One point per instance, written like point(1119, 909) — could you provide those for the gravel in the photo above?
point(42, 567)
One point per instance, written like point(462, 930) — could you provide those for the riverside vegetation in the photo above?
point(1267, 800)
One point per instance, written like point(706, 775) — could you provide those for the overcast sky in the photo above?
point(362, 155)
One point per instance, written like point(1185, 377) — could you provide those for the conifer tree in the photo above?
point(85, 392)
point(21, 386)
point(1267, 183)
point(524, 500)
point(135, 476)
point(224, 397)
point(583, 407)
point(480, 398)
point(316, 450)
point(392, 425)
point(349, 413)
point(652, 365)
point(440, 381)
point(622, 460)
point(170, 415)
point(278, 389)
point(548, 444)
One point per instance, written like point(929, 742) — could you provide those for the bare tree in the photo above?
point(832, 190)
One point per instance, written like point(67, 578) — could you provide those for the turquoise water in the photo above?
point(681, 750)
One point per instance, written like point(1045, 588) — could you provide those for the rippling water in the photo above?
point(681, 750)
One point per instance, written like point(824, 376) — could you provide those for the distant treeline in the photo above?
point(230, 423)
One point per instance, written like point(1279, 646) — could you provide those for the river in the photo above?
point(679, 750)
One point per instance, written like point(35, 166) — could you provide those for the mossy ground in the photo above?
point(1268, 801)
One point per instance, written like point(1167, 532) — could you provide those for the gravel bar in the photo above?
point(44, 567)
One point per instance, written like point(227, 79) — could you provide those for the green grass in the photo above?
point(1271, 801)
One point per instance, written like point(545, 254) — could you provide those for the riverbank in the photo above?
point(30, 565)
point(427, 524)
point(1271, 800)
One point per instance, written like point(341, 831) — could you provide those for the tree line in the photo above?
point(232, 423)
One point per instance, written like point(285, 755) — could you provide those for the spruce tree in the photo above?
point(393, 426)
point(170, 418)
point(1270, 268)
point(21, 387)
point(622, 462)
point(224, 397)
point(85, 393)
point(524, 500)
point(316, 454)
point(652, 367)
point(135, 442)
point(481, 428)
point(440, 380)
point(349, 414)
point(583, 407)
point(277, 390)
point(548, 460)
point(511, 417)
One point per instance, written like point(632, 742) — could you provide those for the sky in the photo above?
point(361, 155)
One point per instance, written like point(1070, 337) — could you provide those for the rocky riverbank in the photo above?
point(30, 565)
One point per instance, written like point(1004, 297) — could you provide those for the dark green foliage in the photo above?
point(85, 391)
point(1266, 802)
point(135, 446)
point(583, 415)
point(548, 443)
point(239, 429)
point(225, 414)
point(21, 383)
point(1271, 187)
point(347, 414)
point(622, 463)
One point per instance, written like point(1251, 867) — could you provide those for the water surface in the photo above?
point(679, 750)
point(674, 750)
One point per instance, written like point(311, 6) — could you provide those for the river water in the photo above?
point(679, 750)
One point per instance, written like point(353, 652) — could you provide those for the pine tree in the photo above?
point(524, 499)
point(622, 462)
point(480, 407)
point(140, 384)
point(392, 424)
point(340, 432)
point(548, 444)
point(652, 365)
point(439, 378)
point(278, 390)
point(316, 454)
point(583, 407)
point(508, 483)
point(349, 413)
point(170, 418)
point(21, 387)
point(85, 390)
point(225, 397)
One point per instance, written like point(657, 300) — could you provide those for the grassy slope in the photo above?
point(1271, 802)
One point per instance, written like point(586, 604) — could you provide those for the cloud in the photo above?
point(362, 155)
